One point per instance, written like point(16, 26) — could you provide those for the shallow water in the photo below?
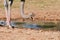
point(21, 24)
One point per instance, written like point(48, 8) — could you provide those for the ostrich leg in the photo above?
point(22, 10)
point(8, 18)
point(7, 10)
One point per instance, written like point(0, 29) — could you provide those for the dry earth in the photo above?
point(28, 34)
point(48, 10)
point(43, 10)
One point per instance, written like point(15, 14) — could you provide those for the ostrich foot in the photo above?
point(9, 26)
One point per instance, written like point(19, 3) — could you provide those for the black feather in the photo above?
point(11, 2)
point(22, 0)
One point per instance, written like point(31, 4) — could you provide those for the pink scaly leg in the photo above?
point(7, 9)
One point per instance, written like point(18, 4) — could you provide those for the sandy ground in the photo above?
point(28, 34)
point(25, 34)
point(51, 12)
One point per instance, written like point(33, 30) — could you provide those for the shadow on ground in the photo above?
point(48, 26)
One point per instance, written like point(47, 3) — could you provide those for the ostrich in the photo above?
point(8, 4)
point(30, 15)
